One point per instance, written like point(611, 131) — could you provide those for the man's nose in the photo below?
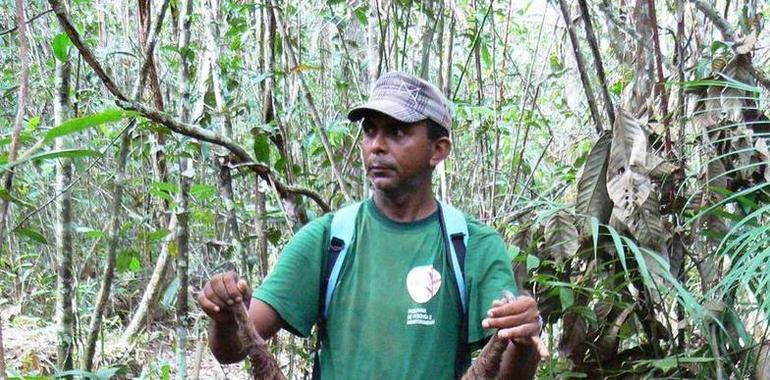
point(377, 142)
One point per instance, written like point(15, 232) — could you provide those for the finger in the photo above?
point(529, 316)
point(541, 347)
point(521, 331)
point(220, 287)
point(208, 300)
point(208, 306)
point(244, 288)
point(516, 306)
point(234, 294)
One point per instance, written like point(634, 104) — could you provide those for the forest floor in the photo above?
point(30, 352)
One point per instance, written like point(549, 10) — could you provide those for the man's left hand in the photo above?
point(517, 320)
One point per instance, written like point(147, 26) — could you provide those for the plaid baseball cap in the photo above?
point(406, 98)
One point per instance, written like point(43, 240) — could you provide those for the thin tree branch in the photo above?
point(606, 8)
point(591, 37)
point(33, 18)
point(660, 85)
point(85, 51)
point(169, 121)
point(19, 119)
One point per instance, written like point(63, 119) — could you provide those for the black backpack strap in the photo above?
point(463, 358)
point(457, 242)
point(335, 247)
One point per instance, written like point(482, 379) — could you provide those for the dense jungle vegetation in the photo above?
point(620, 147)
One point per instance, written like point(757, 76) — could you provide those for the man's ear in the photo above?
point(441, 148)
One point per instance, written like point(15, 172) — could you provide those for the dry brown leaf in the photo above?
point(762, 371)
point(742, 145)
point(561, 236)
point(628, 184)
point(646, 224)
point(573, 337)
point(763, 155)
point(745, 44)
point(592, 197)
point(676, 253)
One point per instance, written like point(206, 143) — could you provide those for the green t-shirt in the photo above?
point(395, 312)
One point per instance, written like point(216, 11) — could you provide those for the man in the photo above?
point(394, 313)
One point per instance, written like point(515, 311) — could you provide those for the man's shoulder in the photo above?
point(478, 229)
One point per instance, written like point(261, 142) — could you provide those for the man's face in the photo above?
point(398, 156)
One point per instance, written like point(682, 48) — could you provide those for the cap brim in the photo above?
point(387, 107)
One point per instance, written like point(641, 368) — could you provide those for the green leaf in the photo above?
point(486, 56)
point(361, 15)
point(89, 232)
point(158, 235)
point(532, 262)
point(203, 192)
point(10, 198)
point(32, 235)
point(33, 123)
point(261, 148)
point(555, 63)
point(125, 259)
point(566, 296)
point(60, 45)
point(85, 122)
point(64, 153)
point(134, 265)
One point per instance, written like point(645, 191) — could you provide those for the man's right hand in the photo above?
point(220, 293)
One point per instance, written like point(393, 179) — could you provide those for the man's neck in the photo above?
point(406, 207)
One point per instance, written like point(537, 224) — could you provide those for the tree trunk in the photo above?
point(591, 37)
point(160, 169)
point(212, 17)
point(19, 120)
point(427, 38)
point(2, 352)
point(151, 293)
point(109, 270)
point(581, 66)
point(185, 177)
point(182, 261)
point(65, 317)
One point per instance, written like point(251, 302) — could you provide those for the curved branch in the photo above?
point(169, 121)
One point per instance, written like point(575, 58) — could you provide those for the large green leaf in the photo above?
point(10, 198)
point(592, 197)
point(32, 235)
point(76, 125)
point(63, 153)
point(60, 46)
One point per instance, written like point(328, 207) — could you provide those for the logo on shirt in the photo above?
point(423, 283)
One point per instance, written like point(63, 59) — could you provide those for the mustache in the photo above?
point(378, 164)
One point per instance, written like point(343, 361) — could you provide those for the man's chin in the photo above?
point(383, 184)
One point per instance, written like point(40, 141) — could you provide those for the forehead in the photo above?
point(377, 119)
